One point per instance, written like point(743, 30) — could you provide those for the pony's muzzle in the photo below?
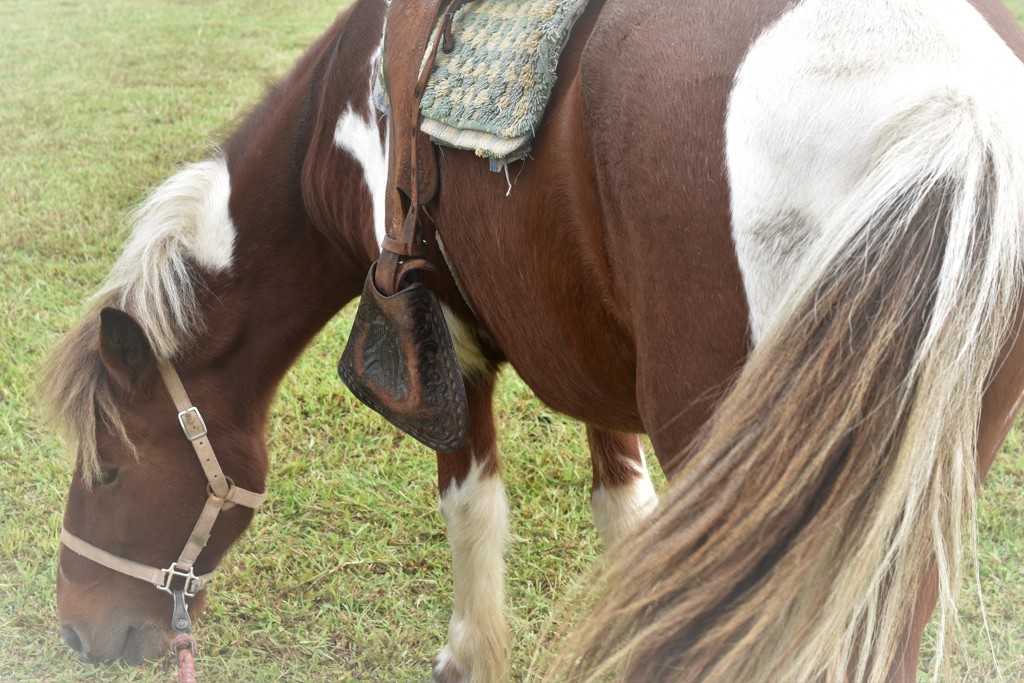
point(132, 644)
point(72, 639)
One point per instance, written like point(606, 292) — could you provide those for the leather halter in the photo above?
point(222, 494)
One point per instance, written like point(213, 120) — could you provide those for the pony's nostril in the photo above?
point(71, 638)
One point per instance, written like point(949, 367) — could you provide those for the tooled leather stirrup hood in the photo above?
point(400, 359)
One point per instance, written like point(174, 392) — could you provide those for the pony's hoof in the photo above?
point(446, 670)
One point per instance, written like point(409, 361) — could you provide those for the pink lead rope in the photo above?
point(184, 649)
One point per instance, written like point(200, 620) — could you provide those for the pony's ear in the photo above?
point(124, 348)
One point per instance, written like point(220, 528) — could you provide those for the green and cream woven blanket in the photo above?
point(488, 95)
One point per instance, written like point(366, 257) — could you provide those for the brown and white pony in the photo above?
point(836, 184)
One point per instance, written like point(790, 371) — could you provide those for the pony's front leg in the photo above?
point(622, 494)
point(475, 512)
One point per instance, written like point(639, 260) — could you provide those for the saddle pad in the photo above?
point(488, 95)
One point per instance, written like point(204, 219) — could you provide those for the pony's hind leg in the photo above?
point(475, 513)
point(622, 493)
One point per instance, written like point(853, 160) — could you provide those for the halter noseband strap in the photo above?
point(222, 494)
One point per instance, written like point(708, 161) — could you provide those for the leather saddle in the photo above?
point(400, 360)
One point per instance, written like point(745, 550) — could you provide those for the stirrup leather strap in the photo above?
point(403, 248)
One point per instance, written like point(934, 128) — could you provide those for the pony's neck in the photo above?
point(303, 204)
point(345, 166)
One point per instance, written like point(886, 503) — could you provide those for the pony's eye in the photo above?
point(105, 477)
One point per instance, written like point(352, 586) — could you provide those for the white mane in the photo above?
point(184, 223)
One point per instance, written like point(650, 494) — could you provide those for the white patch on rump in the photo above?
point(476, 516)
point(811, 108)
point(618, 509)
point(361, 139)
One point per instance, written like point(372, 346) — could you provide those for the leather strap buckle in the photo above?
point(192, 423)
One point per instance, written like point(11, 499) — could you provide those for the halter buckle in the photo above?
point(192, 423)
point(189, 587)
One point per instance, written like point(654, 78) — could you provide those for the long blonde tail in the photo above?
point(841, 467)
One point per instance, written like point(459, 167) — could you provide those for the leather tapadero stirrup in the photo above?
point(400, 360)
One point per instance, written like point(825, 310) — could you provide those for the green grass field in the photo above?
point(345, 573)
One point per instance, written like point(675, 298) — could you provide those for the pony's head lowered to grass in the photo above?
point(164, 388)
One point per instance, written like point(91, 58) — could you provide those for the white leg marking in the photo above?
point(617, 509)
point(476, 514)
point(361, 139)
point(812, 105)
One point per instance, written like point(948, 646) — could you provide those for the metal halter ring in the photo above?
point(190, 578)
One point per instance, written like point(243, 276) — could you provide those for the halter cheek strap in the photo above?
point(222, 494)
